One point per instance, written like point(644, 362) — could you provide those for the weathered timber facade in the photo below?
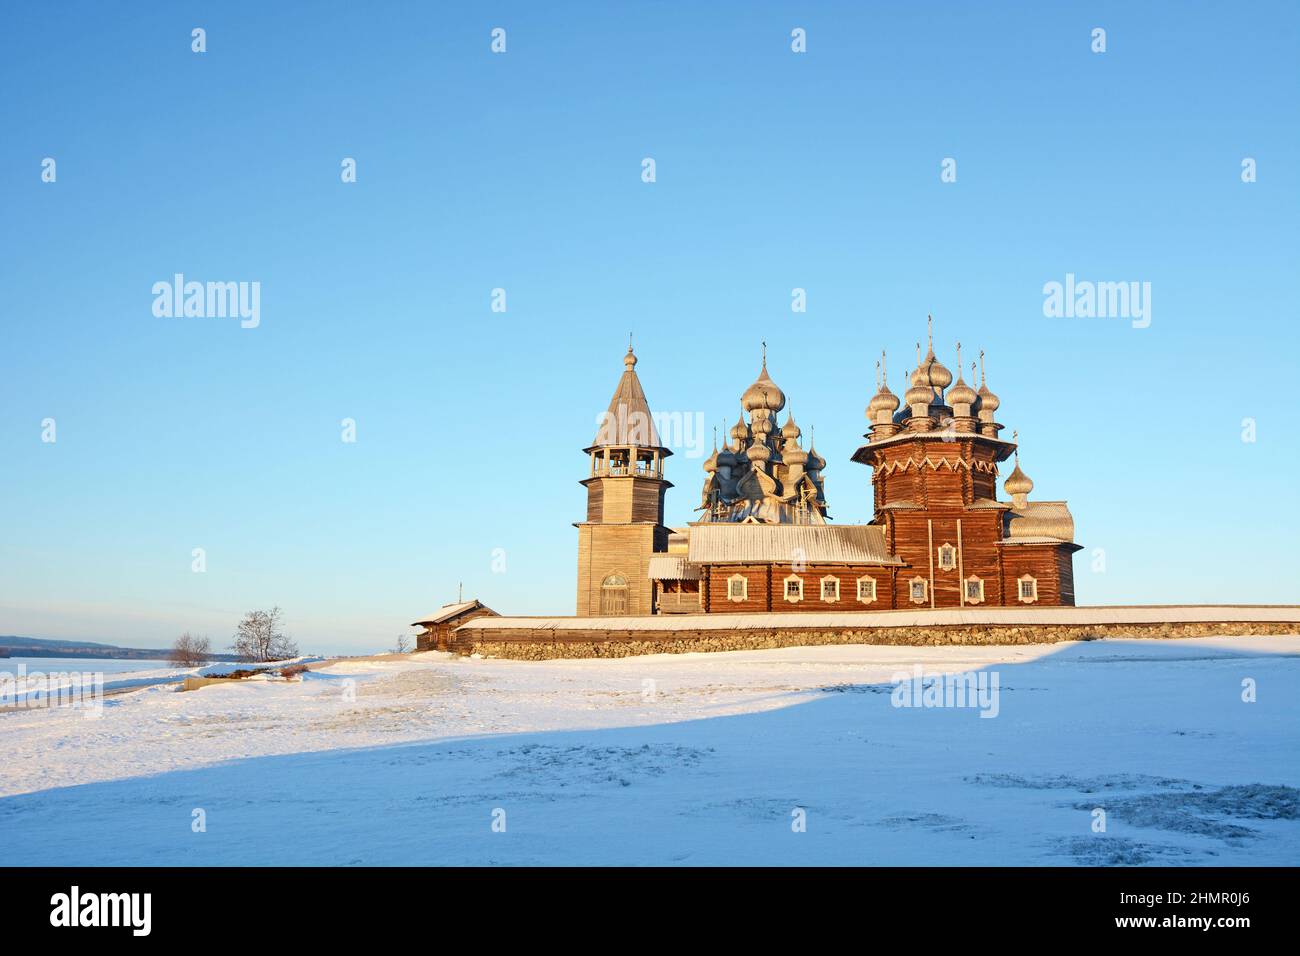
point(625, 506)
point(438, 628)
point(939, 536)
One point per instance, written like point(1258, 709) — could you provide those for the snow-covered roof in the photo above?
point(672, 567)
point(1139, 614)
point(449, 611)
point(728, 543)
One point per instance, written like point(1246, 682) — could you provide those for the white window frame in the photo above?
point(925, 590)
point(867, 579)
point(1020, 588)
point(836, 598)
point(947, 548)
point(785, 588)
point(744, 588)
point(973, 579)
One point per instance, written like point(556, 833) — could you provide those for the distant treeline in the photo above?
point(12, 646)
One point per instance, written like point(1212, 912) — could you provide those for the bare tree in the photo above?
point(403, 644)
point(189, 651)
point(258, 637)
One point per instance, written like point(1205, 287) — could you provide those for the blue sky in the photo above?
point(522, 171)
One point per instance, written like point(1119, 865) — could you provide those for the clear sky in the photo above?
point(775, 170)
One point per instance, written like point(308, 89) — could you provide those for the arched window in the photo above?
point(613, 595)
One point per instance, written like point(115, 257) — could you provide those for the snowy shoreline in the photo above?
point(683, 759)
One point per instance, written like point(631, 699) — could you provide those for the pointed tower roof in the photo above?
point(628, 420)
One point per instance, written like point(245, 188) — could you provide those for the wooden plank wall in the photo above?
point(766, 587)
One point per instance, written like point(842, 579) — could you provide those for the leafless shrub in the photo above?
point(258, 637)
point(189, 651)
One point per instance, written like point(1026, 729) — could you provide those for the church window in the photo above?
point(737, 588)
point(613, 595)
point(866, 590)
point(974, 590)
point(1028, 589)
point(830, 589)
point(917, 590)
point(947, 557)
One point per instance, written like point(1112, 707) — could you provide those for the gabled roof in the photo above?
point(729, 543)
point(449, 611)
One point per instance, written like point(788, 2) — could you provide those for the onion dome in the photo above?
point(629, 360)
point(815, 461)
point(764, 393)
point(726, 457)
point(794, 455)
point(961, 394)
point(711, 463)
point(933, 372)
point(919, 393)
point(758, 452)
point(740, 431)
point(790, 431)
point(883, 401)
point(930, 371)
point(988, 401)
point(1018, 483)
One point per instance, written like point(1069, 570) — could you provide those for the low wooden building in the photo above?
point(676, 584)
point(438, 628)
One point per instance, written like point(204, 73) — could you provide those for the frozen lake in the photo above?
point(83, 665)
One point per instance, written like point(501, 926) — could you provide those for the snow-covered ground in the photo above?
point(28, 680)
point(681, 759)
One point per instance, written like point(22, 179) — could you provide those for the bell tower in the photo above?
point(625, 505)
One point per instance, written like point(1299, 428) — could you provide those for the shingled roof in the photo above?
point(1038, 522)
point(629, 420)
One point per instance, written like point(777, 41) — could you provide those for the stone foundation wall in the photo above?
point(528, 645)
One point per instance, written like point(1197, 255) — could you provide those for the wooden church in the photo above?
point(765, 541)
